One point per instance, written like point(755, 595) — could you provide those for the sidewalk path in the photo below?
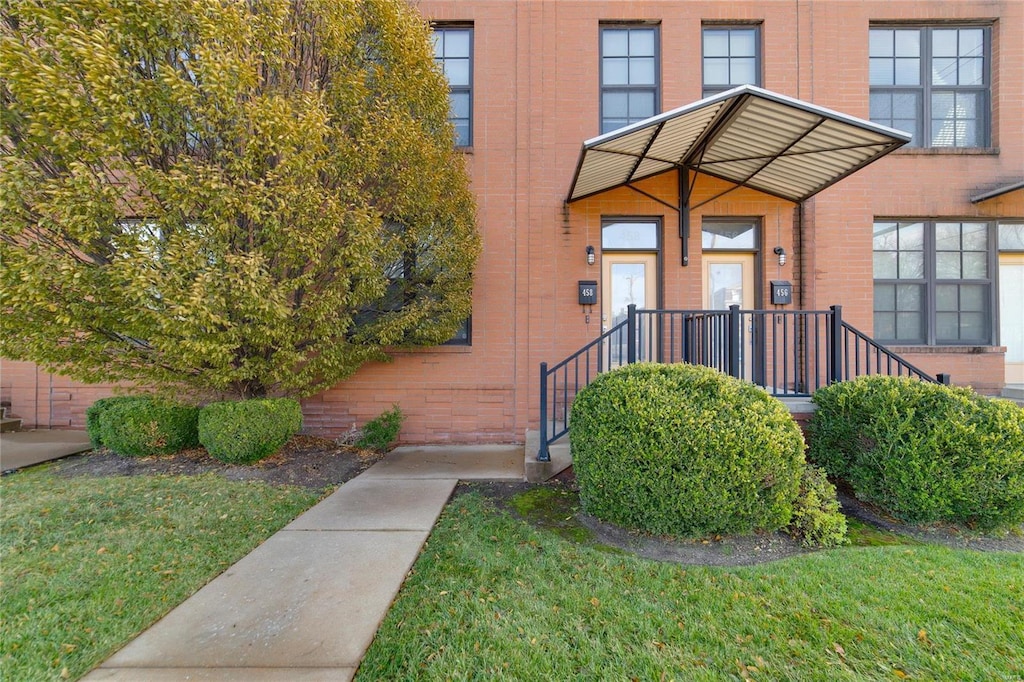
point(19, 449)
point(306, 604)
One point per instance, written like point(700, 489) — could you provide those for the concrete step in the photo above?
point(1014, 392)
point(8, 425)
point(561, 458)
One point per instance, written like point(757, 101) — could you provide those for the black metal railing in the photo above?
point(789, 353)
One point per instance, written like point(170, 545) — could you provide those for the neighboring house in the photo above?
point(923, 249)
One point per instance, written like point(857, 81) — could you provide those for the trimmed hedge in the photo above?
point(241, 432)
point(139, 427)
point(92, 417)
point(923, 451)
point(684, 450)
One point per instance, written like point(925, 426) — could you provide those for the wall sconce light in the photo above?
point(781, 253)
point(590, 255)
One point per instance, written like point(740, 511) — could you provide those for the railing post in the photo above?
point(543, 454)
point(734, 341)
point(631, 329)
point(836, 342)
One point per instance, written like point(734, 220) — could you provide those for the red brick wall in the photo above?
point(535, 101)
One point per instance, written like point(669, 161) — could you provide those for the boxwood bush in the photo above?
point(92, 417)
point(684, 450)
point(923, 451)
point(139, 427)
point(246, 431)
point(817, 520)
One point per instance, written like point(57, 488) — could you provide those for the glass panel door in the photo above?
point(627, 278)
point(1011, 321)
point(729, 280)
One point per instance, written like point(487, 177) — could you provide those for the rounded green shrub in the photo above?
point(816, 516)
point(139, 427)
point(245, 431)
point(923, 451)
point(684, 450)
point(92, 417)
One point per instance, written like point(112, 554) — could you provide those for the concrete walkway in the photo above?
point(306, 604)
point(19, 449)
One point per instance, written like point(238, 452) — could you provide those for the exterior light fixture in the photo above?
point(781, 253)
point(590, 255)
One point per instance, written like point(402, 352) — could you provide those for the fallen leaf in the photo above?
point(101, 550)
point(839, 650)
point(922, 636)
point(595, 601)
point(900, 674)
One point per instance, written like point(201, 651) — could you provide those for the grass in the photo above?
point(494, 597)
point(87, 563)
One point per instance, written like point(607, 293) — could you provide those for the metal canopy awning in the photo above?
point(997, 192)
point(748, 136)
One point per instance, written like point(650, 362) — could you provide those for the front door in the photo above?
point(627, 278)
point(1011, 322)
point(729, 280)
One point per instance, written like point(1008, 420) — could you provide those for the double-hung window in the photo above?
point(932, 82)
point(933, 282)
point(731, 57)
point(453, 50)
point(629, 75)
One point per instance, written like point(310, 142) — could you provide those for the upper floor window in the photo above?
point(932, 82)
point(731, 57)
point(629, 75)
point(453, 50)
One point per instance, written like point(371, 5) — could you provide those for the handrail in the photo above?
point(878, 351)
point(791, 353)
point(549, 379)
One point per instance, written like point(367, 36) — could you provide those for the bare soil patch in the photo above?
point(305, 461)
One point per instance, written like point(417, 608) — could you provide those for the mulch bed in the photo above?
point(319, 463)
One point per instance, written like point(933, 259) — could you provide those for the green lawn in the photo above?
point(491, 596)
point(88, 563)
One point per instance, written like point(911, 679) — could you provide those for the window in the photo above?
point(932, 82)
point(629, 75)
point(729, 235)
point(731, 57)
point(629, 235)
point(453, 50)
point(933, 282)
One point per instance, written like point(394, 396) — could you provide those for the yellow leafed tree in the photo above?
point(252, 198)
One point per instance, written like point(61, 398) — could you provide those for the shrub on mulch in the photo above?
point(140, 426)
point(922, 451)
point(93, 414)
point(684, 450)
point(245, 431)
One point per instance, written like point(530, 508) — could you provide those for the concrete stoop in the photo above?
point(8, 422)
point(561, 458)
point(1014, 392)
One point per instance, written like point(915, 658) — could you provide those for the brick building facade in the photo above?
point(913, 247)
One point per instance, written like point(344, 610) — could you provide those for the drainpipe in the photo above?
point(798, 260)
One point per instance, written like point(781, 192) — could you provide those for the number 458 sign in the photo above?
point(588, 292)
